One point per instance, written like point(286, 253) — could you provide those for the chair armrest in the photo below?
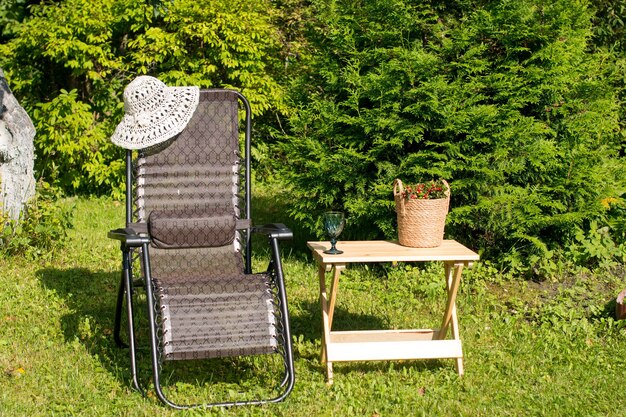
point(129, 236)
point(274, 231)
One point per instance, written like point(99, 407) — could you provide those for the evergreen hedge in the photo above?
point(504, 99)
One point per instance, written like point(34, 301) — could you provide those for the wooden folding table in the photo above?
point(368, 345)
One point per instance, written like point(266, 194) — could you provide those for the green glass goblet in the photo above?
point(334, 222)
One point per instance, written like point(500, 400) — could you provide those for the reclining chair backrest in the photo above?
point(188, 194)
point(189, 185)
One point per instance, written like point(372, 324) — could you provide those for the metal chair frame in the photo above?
point(134, 237)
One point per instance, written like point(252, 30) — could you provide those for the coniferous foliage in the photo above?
point(503, 99)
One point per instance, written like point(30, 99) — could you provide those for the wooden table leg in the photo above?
point(337, 269)
point(453, 279)
point(321, 272)
point(328, 308)
point(455, 333)
point(455, 330)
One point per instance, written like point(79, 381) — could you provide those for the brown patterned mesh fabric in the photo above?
point(186, 229)
point(188, 193)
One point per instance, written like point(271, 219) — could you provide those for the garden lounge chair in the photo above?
point(188, 238)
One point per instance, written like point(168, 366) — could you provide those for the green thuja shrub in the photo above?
point(503, 99)
point(609, 36)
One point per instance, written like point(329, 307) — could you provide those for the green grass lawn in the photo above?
point(530, 348)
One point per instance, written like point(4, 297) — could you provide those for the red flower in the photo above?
point(425, 190)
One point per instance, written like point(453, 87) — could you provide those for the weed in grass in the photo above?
point(42, 228)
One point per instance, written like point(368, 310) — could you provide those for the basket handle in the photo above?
point(398, 189)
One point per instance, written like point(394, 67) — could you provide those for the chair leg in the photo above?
point(131, 339)
point(282, 295)
point(126, 289)
point(286, 377)
point(118, 315)
point(288, 362)
point(288, 368)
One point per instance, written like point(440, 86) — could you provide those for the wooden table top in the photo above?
point(390, 251)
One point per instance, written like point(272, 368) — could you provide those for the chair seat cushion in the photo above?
point(170, 229)
point(217, 317)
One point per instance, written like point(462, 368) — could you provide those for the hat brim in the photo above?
point(161, 123)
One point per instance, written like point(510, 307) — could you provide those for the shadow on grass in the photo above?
point(308, 321)
point(91, 297)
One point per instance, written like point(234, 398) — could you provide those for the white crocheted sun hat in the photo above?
point(154, 112)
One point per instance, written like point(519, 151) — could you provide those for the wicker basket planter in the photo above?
point(421, 222)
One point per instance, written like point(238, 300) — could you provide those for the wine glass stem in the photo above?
point(333, 242)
